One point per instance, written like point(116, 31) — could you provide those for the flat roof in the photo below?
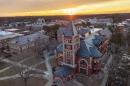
point(6, 35)
point(12, 29)
point(94, 30)
point(27, 38)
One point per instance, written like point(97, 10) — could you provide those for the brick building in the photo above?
point(28, 45)
point(78, 56)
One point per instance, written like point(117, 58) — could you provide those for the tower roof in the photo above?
point(69, 30)
point(72, 28)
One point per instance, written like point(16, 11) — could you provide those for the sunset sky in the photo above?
point(62, 7)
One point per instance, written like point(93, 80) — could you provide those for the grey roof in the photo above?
point(63, 71)
point(6, 35)
point(107, 33)
point(83, 31)
point(88, 47)
point(28, 38)
point(69, 30)
point(88, 50)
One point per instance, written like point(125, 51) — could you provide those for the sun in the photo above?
point(70, 11)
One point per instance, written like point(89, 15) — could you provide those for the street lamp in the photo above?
point(25, 76)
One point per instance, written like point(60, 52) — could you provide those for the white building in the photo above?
point(38, 25)
point(6, 36)
point(104, 21)
point(32, 41)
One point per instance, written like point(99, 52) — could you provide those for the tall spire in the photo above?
point(72, 28)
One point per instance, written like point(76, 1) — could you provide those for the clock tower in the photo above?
point(71, 43)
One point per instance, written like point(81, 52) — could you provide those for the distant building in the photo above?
point(29, 44)
point(101, 21)
point(6, 36)
point(76, 56)
point(38, 25)
point(120, 27)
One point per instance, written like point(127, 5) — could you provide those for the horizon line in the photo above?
point(66, 15)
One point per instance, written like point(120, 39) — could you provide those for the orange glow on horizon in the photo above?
point(115, 6)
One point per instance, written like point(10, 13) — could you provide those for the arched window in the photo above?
point(83, 67)
point(83, 63)
point(58, 82)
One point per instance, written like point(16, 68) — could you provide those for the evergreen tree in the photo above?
point(117, 39)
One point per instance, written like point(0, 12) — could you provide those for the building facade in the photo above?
point(28, 45)
point(76, 56)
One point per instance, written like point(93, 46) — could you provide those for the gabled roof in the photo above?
point(63, 71)
point(83, 50)
point(88, 50)
point(95, 52)
point(98, 39)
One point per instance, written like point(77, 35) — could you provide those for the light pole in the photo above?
point(25, 76)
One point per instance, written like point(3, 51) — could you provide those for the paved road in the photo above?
point(77, 83)
point(49, 68)
point(105, 70)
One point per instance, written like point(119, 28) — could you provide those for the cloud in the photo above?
point(35, 5)
point(55, 7)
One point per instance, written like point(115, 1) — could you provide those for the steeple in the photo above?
point(70, 30)
point(73, 28)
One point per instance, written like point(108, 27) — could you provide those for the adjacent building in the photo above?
point(27, 45)
point(5, 37)
point(36, 26)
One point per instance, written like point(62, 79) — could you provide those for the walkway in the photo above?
point(49, 70)
point(7, 68)
point(105, 70)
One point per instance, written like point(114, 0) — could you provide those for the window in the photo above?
point(69, 41)
point(76, 46)
point(68, 61)
point(83, 64)
point(68, 47)
point(66, 41)
point(69, 54)
point(60, 59)
point(24, 47)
